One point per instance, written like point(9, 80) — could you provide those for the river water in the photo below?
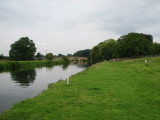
point(21, 84)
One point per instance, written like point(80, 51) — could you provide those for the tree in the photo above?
point(82, 53)
point(69, 55)
point(130, 45)
point(103, 51)
point(49, 56)
point(66, 60)
point(95, 54)
point(134, 44)
point(148, 37)
point(23, 49)
point(60, 55)
point(108, 49)
point(156, 47)
point(39, 55)
point(1, 56)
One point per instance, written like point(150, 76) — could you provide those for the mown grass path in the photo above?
point(126, 90)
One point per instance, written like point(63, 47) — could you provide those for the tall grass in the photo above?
point(11, 65)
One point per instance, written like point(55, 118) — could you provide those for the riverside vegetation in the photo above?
point(11, 65)
point(125, 90)
point(130, 45)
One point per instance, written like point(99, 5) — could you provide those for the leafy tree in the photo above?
point(82, 53)
point(1, 56)
point(39, 55)
point(134, 44)
point(103, 51)
point(148, 37)
point(23, 49)
point(156, 47)
point(108, 49)
point(49, 56)
point(95, 55)
point(65, 58)
point(60, 55)
point(69, 55)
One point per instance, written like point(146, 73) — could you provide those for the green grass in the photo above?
point(11, 65)
point(126, 90)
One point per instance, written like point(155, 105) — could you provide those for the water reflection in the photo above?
point(65, 66)
point(24, 77)
point(50, 67)
point(81, 64)
point(18, 85)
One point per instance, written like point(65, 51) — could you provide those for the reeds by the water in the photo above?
point(11, 65)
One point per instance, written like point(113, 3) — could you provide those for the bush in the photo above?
point(65, 58)
point(49, 56)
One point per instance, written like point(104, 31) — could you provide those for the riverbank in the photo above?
point(11, 65)
point(106, 91)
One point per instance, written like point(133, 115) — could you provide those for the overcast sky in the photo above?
point(65, 26)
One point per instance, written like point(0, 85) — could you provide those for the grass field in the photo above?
point(126, 90)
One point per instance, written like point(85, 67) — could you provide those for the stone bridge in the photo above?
point(78, 59)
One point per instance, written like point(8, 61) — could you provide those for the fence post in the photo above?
point(146, 62)
point(68, 81)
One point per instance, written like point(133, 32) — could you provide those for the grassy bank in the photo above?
point(126, 90)
point(10, 65)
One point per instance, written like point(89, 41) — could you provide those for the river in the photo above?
point(18, 85)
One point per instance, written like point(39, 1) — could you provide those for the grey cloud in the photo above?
point(50, 21)
point(21, 14)
point(117, 16)
point(124, 17)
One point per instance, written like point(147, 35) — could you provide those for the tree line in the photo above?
point(130, 45)
point(82, 53)
point(25, 49)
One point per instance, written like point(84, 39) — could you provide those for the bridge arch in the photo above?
point(78, 59)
